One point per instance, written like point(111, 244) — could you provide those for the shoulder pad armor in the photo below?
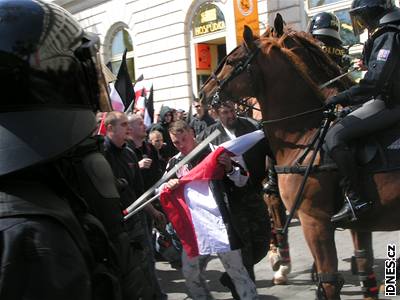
point(100, 174)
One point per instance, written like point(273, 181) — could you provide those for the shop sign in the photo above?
point(208, 19)
point(246, 13)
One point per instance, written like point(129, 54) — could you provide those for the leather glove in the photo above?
point(341, 98)
point(332, 102)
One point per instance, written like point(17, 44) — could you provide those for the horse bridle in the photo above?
point(245, 65)
point(238, 69)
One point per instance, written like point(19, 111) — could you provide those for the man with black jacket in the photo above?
point(126, 170)
point(249, 210)
point(202, 119)
point(146, 154)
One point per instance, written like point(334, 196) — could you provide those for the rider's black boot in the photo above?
point(352, 209)
point(354, 206)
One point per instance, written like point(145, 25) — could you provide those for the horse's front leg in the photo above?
point(320, 236)
point(278, 255)
point(364, 257)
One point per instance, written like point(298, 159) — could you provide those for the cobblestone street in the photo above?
point(301, 287)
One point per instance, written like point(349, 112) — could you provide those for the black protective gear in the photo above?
point(325, 27)
point(390, 17)
point(325, 24)
point(372, 116)
point(379, 92)
point(43, 246)
point(366, 14)
point(49, 74)
point(382, 60)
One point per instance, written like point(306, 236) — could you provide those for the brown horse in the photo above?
point(322, 70)
point(281, 81)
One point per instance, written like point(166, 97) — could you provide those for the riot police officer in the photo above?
point(378, 92)
point(324, 27)
point(61, 226)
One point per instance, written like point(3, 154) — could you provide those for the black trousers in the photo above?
point(372, 116)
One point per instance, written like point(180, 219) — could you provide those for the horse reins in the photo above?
point(324, 85)
point(294, 116)
point(246, 65)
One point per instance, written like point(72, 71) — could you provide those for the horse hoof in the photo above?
point(274, 259)
point(280, 277)
point(280, 280)
point(285, 268)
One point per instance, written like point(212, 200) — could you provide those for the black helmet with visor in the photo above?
point(49, 83)
point(366, 14)
point(325, 24)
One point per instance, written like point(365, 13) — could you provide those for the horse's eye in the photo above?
point(229, 62)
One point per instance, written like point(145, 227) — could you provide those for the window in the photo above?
point(120, 42)
point(341, 9)
point(316, 3)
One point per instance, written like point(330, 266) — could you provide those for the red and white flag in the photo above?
point(116, 101)
point(142, 92)
point(191, 207)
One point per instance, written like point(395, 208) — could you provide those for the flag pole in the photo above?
point(136, 210)
point(129, 109)
point(142, 199)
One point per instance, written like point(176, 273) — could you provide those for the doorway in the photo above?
point(208, 55)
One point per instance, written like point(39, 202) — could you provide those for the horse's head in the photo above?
point(233, 78)
point(238, 76)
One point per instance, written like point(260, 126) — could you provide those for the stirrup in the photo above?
point(354, 217)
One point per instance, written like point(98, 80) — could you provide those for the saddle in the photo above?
point(377, 153)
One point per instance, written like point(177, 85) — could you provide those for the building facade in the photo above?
point(176, 44)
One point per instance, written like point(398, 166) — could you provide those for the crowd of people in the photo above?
point(139, 156)
point(64, 186)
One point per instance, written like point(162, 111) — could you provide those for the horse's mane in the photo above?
point(319, 58)
point(267, 44)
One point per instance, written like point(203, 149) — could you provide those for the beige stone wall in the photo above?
point(160, 31)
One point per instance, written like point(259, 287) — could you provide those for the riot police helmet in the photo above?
point(366, 14)
point(49, 83)
point(325, 24)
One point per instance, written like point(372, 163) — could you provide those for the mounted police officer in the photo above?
point(324, 27)
point(378, 92)
point(61, 225)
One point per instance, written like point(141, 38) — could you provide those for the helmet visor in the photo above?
point(358, 23)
